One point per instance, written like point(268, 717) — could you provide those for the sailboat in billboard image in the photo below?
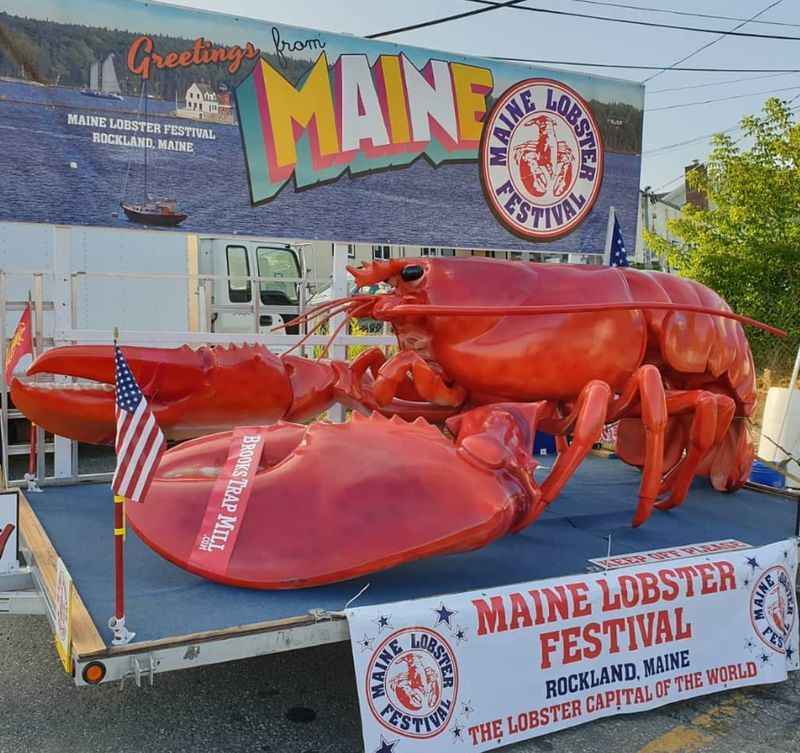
point(103, 81)
point(161, 212)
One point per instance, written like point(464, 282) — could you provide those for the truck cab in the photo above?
point(239, 266)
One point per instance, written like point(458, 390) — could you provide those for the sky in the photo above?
point(511, 33)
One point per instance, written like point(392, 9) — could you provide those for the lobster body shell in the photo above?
point(414, 494)
point(553, 356)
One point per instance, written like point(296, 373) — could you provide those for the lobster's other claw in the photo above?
point(85, 413)
point(501, 436)
point(331, 502)
point(191, 391)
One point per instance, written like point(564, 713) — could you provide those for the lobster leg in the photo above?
point(588, 420)
point(427, 382)
point(646, 383)
point(711, 417)
point(653, 408)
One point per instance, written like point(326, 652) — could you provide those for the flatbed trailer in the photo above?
point(183, 621)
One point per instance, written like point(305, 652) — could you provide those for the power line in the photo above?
point(682, 13)
point(657, 150)
point(721, 99)
point(712, 83)
point(642, 67)
point(700, 138)
point(713, 41)
point(677, 144)
point(664, 185)
point(444, 19)
point(633, 22)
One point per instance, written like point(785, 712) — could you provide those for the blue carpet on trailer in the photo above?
point(163, 600)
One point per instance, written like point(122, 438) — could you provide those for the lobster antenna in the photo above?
point(312, 312)
point(307, 315)
point(323, 321)
point(577, 308)
point(350, 315)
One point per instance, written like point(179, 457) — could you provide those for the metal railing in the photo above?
point(65, 310)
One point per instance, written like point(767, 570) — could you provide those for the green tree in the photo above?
point(746, 245)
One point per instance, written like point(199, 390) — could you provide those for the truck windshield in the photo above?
point(278, 262)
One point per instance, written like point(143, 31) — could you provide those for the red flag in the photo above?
point(21, 343)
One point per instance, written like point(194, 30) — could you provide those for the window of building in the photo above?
point(428, 251)
point(238, 274)
point(351, 249)
point(381, 252)
point(447, 252)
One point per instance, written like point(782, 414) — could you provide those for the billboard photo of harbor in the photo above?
point(113, 147)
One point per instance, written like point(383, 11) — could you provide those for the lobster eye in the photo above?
point(412, 272)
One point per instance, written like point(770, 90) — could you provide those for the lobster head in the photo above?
point(445, 281)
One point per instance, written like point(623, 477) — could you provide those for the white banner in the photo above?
point(494, 667)
point(9, 529)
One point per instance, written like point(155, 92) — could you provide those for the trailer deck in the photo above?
point(182, 620)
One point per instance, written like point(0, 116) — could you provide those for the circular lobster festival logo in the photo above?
point(412, 679)
point(773, 609)
point(541, 159)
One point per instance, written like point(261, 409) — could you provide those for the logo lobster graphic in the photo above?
point(418, 687)
point(546, 163)
point(777, 610)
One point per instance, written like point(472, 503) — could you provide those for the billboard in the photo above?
point(128, 114)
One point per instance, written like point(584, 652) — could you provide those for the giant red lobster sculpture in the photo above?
point(586, 345)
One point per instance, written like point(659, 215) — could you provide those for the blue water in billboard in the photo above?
point(418, 205)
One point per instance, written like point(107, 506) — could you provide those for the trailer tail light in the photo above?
point(93, 673)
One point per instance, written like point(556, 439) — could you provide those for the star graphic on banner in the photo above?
point(467, 708)
point(456, 732)
point(461, 634)
point(789, 653)
point(386, 745)
point(383, 622)
point(753, 563)
point(764, 658)
point(444, 614)
point(366, 643)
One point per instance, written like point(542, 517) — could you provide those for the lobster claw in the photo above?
point(191, 391)
point(330, 502)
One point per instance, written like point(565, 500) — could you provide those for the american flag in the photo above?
point(140, 441)
point(618, 256)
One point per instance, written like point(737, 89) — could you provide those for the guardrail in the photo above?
point(65, 310)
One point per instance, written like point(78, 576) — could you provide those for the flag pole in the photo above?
point(121, 633)
point(612, 215)
point(30, 476)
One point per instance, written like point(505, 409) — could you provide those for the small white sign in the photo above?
point(63, 608)
point(9, 528)
point(661, 555)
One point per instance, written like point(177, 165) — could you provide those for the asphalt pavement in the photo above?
point(305, 702)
